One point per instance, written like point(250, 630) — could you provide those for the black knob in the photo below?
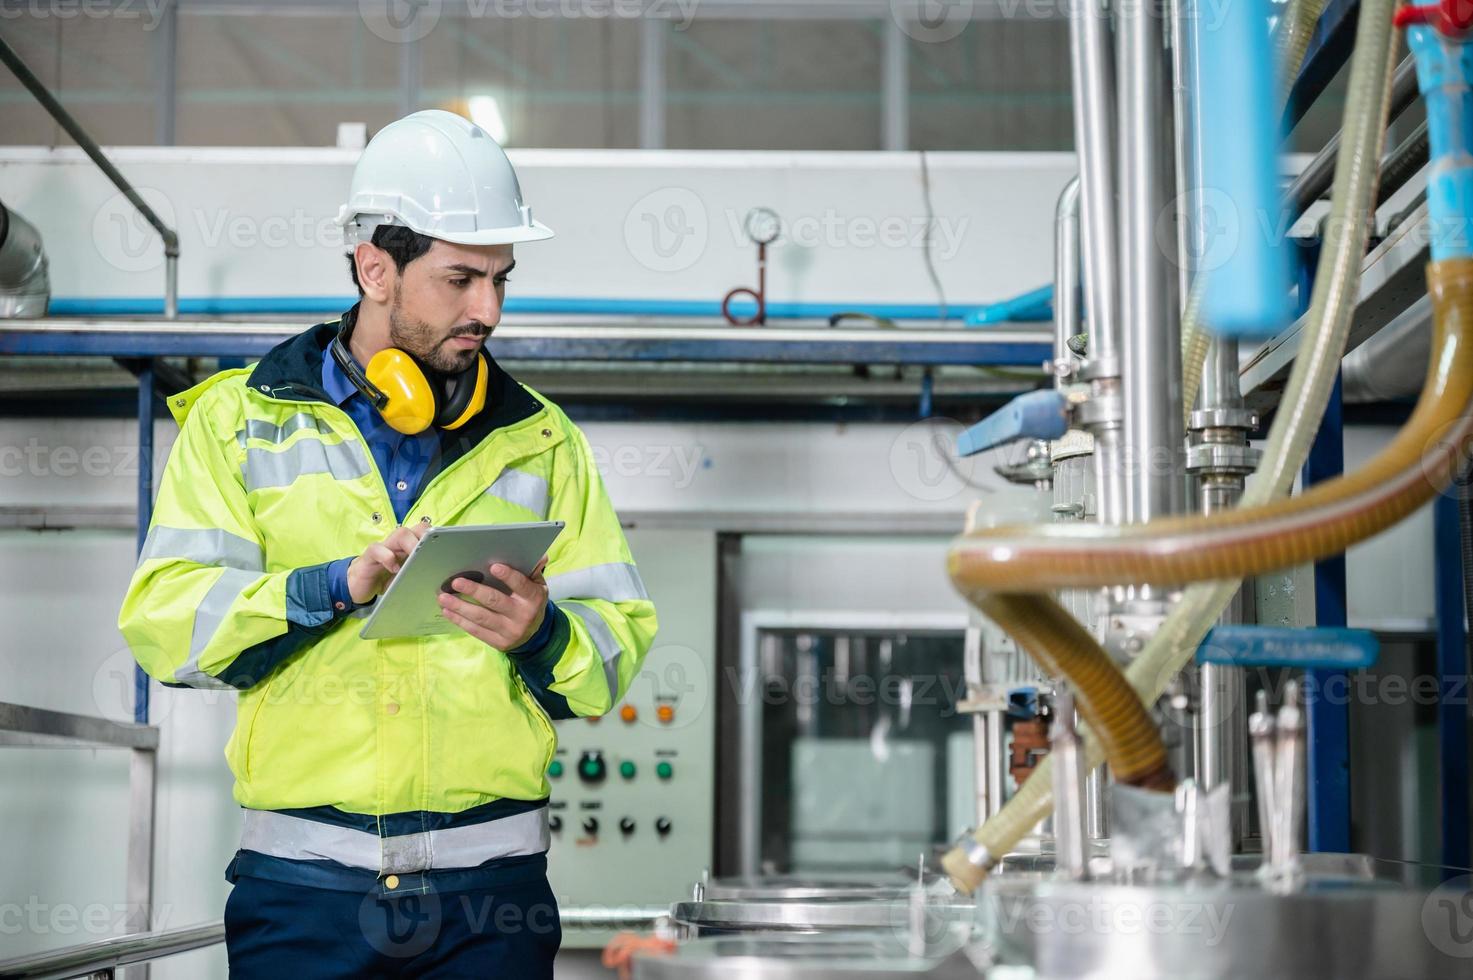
point(662, 826)
point(591, 767)
point(626, 825)
point(554, 823)
point(590, 826)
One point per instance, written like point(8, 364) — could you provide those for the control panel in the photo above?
point(632, 804)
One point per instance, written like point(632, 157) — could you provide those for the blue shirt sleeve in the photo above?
point(337, 586)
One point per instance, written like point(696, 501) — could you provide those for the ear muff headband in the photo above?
point(339, 351)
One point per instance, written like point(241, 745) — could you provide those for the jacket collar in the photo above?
point(293, 370)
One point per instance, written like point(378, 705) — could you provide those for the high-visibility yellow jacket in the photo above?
point(269, 477)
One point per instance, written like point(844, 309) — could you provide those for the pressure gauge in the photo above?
point(763, 226)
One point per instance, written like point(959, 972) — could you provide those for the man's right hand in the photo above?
point(369, 574)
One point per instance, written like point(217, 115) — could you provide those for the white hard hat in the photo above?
point(441, 175)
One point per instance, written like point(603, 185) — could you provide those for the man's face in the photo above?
point(446, 303)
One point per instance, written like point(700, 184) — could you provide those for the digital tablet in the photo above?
point(409, 607)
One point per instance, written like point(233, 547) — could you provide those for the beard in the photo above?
point(425, 344)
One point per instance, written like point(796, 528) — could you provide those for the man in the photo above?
point(394, 790)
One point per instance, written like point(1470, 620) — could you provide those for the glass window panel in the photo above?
point(281, 79)
point(779, 85)
point(557, 83)
point(999, 85)
point(98, 64)
point(859, 733)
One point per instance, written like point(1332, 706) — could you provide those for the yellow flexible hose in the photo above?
point(1105, 699)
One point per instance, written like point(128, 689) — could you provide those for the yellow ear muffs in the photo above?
point(412, 403)
point(466, 396)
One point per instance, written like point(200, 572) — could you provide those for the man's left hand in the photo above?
point(494, 617)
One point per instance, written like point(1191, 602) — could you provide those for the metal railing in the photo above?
point(102, 959)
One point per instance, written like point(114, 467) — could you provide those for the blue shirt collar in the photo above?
point(334, 381)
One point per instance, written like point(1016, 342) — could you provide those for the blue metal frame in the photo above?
point(1327, 702)
point(1453, 679)
point(146, 393)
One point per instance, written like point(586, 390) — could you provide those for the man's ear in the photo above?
point(376, 271)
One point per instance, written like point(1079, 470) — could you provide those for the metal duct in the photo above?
point(25, 288)
point(1392, 365)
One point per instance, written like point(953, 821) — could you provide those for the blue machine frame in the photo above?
point(1328, 713)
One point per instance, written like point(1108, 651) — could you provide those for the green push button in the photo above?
point(664, 770)
point(626, 769)
point(555, 769)
point(591, 767)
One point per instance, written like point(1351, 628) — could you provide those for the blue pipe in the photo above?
point(1244, 266)
point(1445, 79)
point(1034, 305)
point(1035, 309)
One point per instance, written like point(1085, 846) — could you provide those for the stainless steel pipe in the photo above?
point(1093, 73)
point(1149, 311)
point(1066, 280)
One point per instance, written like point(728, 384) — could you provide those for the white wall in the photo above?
point(1389, 578)
point(630, 224)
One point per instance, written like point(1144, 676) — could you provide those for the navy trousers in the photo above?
point(277, 931)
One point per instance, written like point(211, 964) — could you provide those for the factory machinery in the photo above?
point(1119, 632)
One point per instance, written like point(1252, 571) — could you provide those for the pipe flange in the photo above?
point(1036, 472)
point(1222, 457)
point(1224, 418)
point(1076, 442)
point(1099, 367)
point(976, 853)
point(1100, 410)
